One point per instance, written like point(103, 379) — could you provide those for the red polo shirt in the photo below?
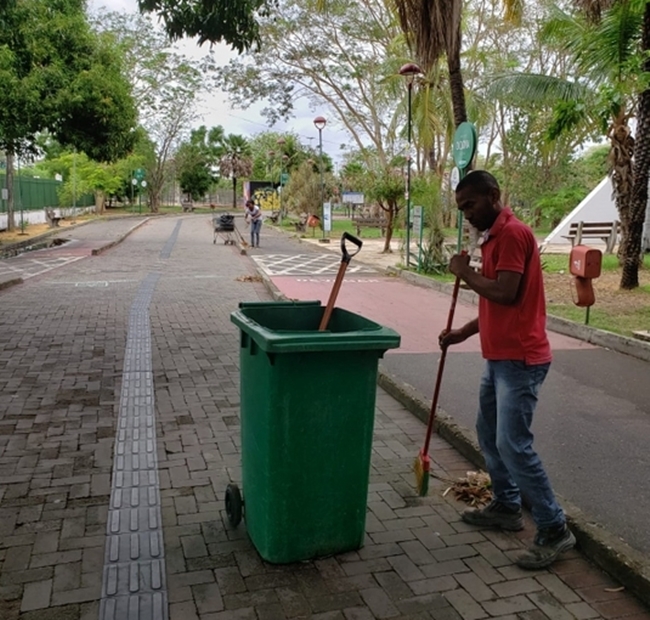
point(515, 332)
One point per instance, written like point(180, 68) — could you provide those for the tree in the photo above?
point(165, 86)
point(234, 23)
point(607, 55)
point(336, 60)
point(236, 161)
point(303, 192)
point(639, 200)
point(57, 76)
point(433, 29)
point(197, 160)
point(385, 186)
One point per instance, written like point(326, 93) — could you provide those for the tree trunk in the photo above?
point(621, 173)
point(234, 193)
point(11, 225)
point(455, 75)
point(631, 254)
point(390, 218)
point(100, 201)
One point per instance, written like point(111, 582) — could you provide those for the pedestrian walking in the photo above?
point(253, 217)
point(511, 325)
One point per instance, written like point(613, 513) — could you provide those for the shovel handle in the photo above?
point(344, 250)
point(345, 261)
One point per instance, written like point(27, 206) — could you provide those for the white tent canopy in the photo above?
point(598, 206)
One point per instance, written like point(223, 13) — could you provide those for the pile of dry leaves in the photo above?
point(474, 489)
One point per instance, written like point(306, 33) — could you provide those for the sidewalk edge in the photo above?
point(111, 244)
point(609, 340)
point(630, 567)
point(9, 283)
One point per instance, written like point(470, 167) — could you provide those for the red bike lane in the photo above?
point(418, 314)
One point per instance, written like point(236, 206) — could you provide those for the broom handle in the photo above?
point(441, 367)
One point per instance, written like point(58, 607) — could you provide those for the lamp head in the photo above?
point(410, 70)
point(320, 123)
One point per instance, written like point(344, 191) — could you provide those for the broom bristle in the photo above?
point(421, 476)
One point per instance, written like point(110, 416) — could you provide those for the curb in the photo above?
point(108, 246)
point(608, 340)
point(630, 567)
point(10, 283)
point(13, 282)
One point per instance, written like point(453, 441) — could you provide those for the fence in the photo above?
point(33, 194)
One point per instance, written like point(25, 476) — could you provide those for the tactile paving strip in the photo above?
point(166, 252)
point(134, 585)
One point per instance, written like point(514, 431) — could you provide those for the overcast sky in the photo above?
point(215, 110)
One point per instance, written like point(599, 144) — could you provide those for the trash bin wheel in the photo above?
point(234, 504)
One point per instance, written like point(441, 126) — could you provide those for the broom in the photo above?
point(422, 465)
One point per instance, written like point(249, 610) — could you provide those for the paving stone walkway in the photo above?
point(62, 368)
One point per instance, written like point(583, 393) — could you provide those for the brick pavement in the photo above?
point(61, 364)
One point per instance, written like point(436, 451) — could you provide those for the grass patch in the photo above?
point(622, 322)
point(558, 263)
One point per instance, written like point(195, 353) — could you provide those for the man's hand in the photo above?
point(454, 336)
point(459, 264)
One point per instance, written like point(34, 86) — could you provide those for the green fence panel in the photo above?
point(33, 194)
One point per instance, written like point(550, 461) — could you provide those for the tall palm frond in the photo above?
point(601, 51)
point(526, 88)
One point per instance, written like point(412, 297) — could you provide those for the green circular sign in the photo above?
point(464, 146)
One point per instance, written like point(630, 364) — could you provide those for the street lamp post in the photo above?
point(283, 160)
point(319, 123)
point(409, 71)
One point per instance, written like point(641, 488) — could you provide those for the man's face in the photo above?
point(479, 209)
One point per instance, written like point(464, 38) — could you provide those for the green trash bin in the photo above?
point(307, 416)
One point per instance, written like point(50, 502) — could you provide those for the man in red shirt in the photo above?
point(511, 324)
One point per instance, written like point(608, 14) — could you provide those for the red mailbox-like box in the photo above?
point(585, 262)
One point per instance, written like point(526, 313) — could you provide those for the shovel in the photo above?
point(345, 260)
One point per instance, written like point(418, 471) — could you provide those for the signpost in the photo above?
point(327, 216)
point(138, 179)
point(463, 151)
point(143, 184)
point(418, 230)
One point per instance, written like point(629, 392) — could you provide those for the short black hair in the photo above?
point(480, 180)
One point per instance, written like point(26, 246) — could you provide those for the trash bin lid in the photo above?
point(286, 327)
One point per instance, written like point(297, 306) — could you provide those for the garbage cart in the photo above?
point(307, 415)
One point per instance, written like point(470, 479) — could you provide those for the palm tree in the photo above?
point(604, 46)
point(236, 161)
point(639, 201)
point(433, 28)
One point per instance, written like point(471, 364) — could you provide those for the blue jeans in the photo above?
point(255, 232)
point(507, 400)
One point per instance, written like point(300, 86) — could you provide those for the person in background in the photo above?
point(511, 325)
point(253, 216)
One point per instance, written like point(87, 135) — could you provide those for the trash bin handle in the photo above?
point(352, 239)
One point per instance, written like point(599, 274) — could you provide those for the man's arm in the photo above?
point(502, 291)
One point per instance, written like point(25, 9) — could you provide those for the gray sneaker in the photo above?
point(549, 543)
point(495, 514)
